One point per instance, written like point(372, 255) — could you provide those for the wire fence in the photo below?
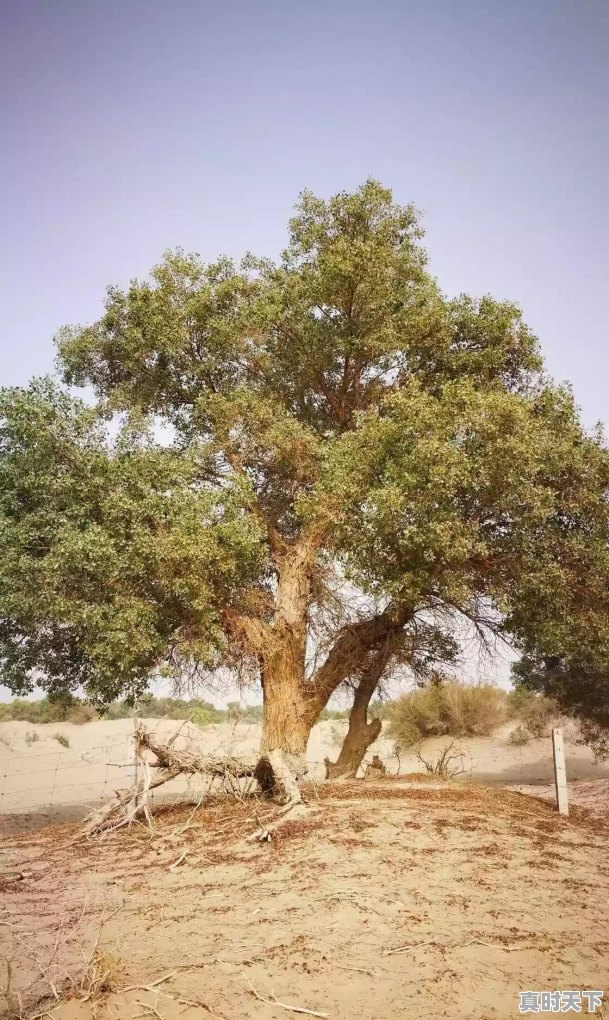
point(43, 781)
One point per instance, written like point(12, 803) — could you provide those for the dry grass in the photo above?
point(456, 709)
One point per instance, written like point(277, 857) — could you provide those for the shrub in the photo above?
point(55, 708)
point(448, 764)
point(536, 712)
point(59, 737)
point(31, 738)
point(82, 713)
point(454, 708)
point(519, 736)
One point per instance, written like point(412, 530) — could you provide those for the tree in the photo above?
point(355, 463)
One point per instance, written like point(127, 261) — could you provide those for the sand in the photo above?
point(389, 900)
point(41, 780)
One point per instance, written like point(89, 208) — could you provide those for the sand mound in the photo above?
point(386, 901)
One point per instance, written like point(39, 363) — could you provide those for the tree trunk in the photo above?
point(361, 733)
point(286, 720)
point(360, 736)
point(285, 734)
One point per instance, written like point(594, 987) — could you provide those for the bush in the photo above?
point(456, 709)
point(54, 709)
point(82, 713)
point(66, 708)
point(536, 712)
point(31, 738)
point(59, 737)
point(519, 737)
point(448, 764)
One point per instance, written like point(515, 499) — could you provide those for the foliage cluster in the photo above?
point(456, 709)
point(74, 710)
point(48, 710)
point(325, 450)
point(535, 712)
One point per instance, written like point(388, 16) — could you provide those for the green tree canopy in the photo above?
point(356, 462)
point(115, 561)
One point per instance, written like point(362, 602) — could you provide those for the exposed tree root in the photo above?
point(278, 774)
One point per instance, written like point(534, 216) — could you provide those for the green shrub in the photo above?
point(82, 713)
point(456, 709)
point(56, 708)
point(59, 737)
point(65, 708)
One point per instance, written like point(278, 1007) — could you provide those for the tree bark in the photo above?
point(291, 704)
point(353, 644)
point(361, 733)
point(286, 722)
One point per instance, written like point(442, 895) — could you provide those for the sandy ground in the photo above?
point(388, 900)
point(41, 780)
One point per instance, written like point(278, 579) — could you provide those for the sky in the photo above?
point(133, 126)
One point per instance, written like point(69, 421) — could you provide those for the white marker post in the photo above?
point(560, 772)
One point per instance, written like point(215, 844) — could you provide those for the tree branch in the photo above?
point(276, 541)
point(352, 642)
point(256, 634)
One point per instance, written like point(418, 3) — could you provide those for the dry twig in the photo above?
point(451, 945)
point(285, 1005)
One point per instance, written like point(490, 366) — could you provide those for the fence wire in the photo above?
point(32, 781)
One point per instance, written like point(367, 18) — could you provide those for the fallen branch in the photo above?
point(177, 863)
point(285, 1005)
point(130, 805)
point(150, 986)
point(413, 945)
point(452, 945)
point(358, 970)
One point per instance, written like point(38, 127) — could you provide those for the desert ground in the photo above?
point(41, 780)
point(390, 899)
point(405, 897)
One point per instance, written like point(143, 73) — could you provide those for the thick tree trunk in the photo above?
point(286, 718)
point(285, 734)
point(285, 724)
point(291, 704)
point(359, 738)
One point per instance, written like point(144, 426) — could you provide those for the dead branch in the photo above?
point(151, 986)
point(190, 762)
point(411, 946)
point(130, 805)
point(448, 765)
point(285, 1005)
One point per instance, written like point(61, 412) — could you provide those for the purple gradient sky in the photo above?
point(138, 125)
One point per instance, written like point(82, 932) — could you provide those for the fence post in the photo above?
point(560, 772)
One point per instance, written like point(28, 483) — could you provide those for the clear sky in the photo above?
point(130, 126)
